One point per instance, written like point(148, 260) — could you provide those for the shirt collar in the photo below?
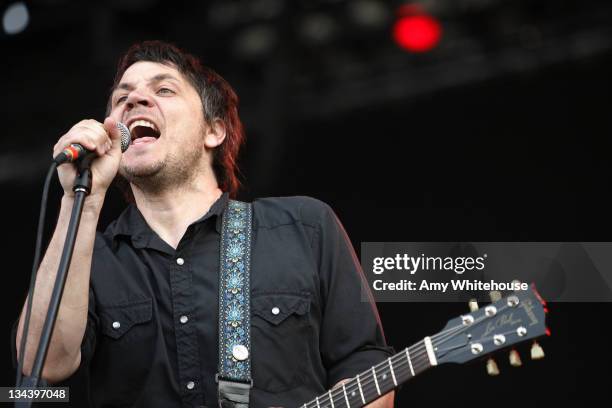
point(132, 224)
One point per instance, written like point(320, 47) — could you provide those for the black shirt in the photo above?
point(151, 337)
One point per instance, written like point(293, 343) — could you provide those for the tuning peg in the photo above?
point(537, 352)
point(515, 358)
point(473, 305)
point(495, 295)
point(492, 368)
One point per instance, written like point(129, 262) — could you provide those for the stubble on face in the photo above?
point(172, 172)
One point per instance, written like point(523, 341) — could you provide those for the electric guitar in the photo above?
point(506, 322)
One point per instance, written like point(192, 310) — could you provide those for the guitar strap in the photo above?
point(234, 380)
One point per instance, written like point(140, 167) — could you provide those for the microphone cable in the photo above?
point(35, 265)
point(125, 143)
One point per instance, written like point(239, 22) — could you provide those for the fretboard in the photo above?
point(377, 381)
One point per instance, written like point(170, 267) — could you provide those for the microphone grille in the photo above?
point(126, 137)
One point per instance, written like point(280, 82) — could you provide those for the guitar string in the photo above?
point(339, 400)
point(398, 369)
point(418, 358)
point(368, 390)
point(438, 338)
point(369, 385)
point(403, 371)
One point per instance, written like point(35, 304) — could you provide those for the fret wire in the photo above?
point(401, 365)
point(405, 371)
point(360, 390)
point(375, 380)
point(416, 350)
point(370, 388)
point(352, 392)
point(345, 396)
point(415, 365)
point(338, 395)
point(409, 361)
point(396, 363)
point(332, 400)
point(369, 382)
point(392, 373)
point(400, 359)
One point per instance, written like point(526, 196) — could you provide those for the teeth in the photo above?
point(143, 123)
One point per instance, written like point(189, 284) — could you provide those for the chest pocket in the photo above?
point(281, 334)
point(121, 321)
point(127, 335)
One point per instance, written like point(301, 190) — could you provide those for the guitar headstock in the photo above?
point(514, 319)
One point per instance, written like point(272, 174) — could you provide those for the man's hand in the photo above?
point(64, 354)
point(105, 140)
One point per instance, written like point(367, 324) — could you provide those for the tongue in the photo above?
point(144, 139)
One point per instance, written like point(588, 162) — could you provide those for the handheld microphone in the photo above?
point(76, 152)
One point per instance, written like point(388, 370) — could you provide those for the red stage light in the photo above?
point(417, 33)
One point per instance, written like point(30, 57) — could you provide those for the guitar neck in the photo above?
point(379, 379)
point(512, 320)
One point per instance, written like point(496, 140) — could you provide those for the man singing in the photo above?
point(140, 309)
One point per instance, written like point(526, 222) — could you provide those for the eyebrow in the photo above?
point(128, 86)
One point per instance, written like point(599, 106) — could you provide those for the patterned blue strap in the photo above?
point(234, 294)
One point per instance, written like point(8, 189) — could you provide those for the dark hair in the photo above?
point(219, 101)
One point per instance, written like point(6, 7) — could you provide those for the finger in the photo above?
point(99, 135)
point(84, 140)
point(110, 124)
point(92, 138)
point(90, 124)
point(94, 127)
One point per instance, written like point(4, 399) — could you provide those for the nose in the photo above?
point(138, 98)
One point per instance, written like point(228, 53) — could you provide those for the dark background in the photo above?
point(500, 133)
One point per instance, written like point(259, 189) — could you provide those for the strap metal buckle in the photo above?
point(233, 394)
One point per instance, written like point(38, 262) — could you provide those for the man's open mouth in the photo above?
point(143, 131)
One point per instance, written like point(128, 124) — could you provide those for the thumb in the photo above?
point(110, 125)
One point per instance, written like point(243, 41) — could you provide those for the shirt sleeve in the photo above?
point(352, 338)
point(87, 346)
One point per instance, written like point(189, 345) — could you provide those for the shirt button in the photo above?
point(190, 385)
point(180, 261)
point(116, 325)
point(184, 319)
point(275, 310)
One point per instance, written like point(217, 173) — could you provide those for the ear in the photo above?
point(215, 134)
